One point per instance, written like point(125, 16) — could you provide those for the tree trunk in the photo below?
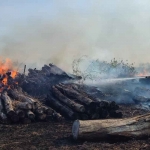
point(75, 106)
point(135, 127)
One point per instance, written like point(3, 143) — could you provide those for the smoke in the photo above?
point(99, 29)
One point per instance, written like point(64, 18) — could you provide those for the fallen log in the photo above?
point(20, 113)
point(41, 117)
point(39, 110)
point(19, 96)
point(75, 106)
point(8, 104)
point(48, 110)
point(102, 103)
point(77, 96)
point(30, 115)
point(3, 116)
point(57, 116)
point(24, 105)
point(136, 127)
point(61, 108)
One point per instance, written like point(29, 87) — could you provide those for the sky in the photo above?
point(43, 31)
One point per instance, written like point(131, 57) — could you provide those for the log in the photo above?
point(57, 116)
point(48, 110)
point(77, 96)
point(20, 113)
point(30, 115)
point(41, 117)
point(136, 127)
point(24, 105)
point(60, 108)
point(75, 106)
point(39, 110)
point(102, 103)
point(3, 116)
point(19, 96)
point(8, 104)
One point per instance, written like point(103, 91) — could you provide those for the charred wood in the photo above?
point(66, 111)
point(24, 105)
point(41, 117)
point(19, 96)
point(8, 104)
point(75, 95)
point(75, 106)
point(20, 113)
point(30, 115)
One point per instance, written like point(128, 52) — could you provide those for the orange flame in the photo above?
point(144, 73)
point(5, 67)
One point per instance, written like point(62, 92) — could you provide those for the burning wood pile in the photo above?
point(43, 88)
point(50, 93)
point(17, 106)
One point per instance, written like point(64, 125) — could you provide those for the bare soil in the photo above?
point(57, 135)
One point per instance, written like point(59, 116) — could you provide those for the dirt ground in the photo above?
point(55, 135)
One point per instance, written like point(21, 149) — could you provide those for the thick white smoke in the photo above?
point(99, 29)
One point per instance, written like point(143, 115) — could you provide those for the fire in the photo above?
point(144, 73)
point(4, 81)
point(7, 69)
point(6, 66)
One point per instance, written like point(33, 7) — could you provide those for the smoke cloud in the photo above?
point(100, 29)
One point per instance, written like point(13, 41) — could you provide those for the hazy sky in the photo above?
point(42, 31)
